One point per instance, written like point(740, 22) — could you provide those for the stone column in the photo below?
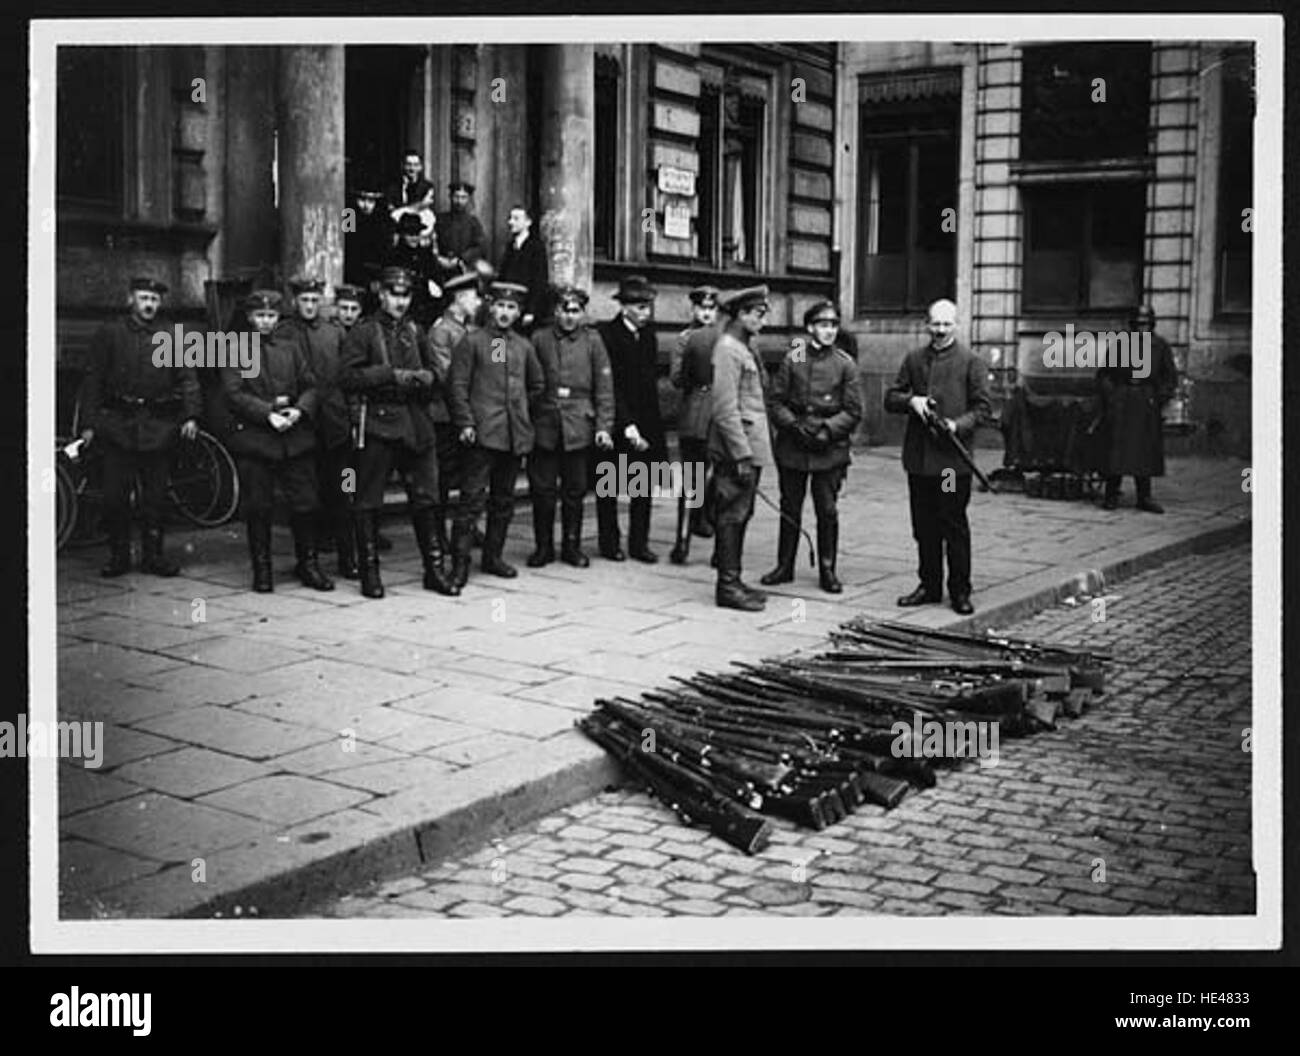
point(568, 148)
point(309, 122)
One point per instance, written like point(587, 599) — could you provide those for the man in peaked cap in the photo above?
point(457, 320)
point(692, 373)
point(348, 303)
point(386, 361)
point(137, 410)
point(495, 375)
point(273, 433)
point(739, 441)
point(461, 238)
point(815, 404)
point(575, 410)
point(638, 428)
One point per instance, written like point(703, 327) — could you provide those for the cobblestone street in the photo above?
point(1141, 806)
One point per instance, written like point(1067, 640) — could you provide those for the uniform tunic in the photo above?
point(578, 400)
point(739, 429)
point(819, 386)
point(692, 373)
point(494, 375)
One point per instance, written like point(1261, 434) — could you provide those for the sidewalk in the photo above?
point(302, 744)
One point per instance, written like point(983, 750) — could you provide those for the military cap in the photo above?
point(461, 185)
point(410, 224)
point(347, 293)
point(705, 295)
point(143, 282)
point(565, 294)
point(821, 310)
point(468, 281)
point(635, 289)
point(508, 291)
point(303, 285)
point(741, 300)
point(261, 300)
point(394, 277)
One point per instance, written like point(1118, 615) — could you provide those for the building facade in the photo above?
point(880, 175)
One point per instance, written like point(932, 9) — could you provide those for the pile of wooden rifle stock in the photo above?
point(811, 738)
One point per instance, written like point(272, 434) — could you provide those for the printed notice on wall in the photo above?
point(677, 221)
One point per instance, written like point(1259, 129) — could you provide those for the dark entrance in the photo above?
point(378, 107)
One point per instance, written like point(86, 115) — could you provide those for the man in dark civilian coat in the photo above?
point(273, 438)
point(461, 239)
point(138, 410)
point(938, 482)
point(638, 429)
point(1131, 418)
point(525, 263)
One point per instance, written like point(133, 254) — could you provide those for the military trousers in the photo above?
point(336, 484)
point(121, 468)
point(258, 477)
point(374, 463)
point(826, 485)
point(939, 524)
point(732, 497)
point(489, 484)
point(556, 474)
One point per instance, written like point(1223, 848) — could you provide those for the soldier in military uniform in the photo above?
point(638, 429)
point(273, 439)
point(349, 302)
point(740, 444)
point(322, 341)
point(575, 410)
point(421, 262)
point(137, 410)
point(1132, 424)
point(815, 405)
point(387, 364)
point(938, 482)
point(461, 239)
point(692, 373)
point(456, 321)
point(495, 375)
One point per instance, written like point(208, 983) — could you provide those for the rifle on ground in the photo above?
point(941, 432)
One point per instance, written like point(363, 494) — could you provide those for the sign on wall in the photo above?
point(677, 220)
point(676, 181)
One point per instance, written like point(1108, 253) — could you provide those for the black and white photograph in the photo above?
point(629, 483)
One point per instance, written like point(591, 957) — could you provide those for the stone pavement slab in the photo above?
point(469, 700)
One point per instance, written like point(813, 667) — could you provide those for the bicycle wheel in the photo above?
point(85, 474)
point(65, 509)
point(203, 484)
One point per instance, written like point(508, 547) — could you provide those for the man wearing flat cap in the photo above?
point(525, 262)
point(815, 405)
point(322, 341)
point(638, 429)
point(420, 260)
point(495, 375)
point(273, 436)
point(948, 379)
point(348, 303)
point(739, 441)
point(461, 239)
point(575, 411)
point(387, 363)
point(457, 320)
point(137, 410)
point(692, 373)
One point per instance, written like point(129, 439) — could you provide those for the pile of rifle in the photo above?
point(811, 738)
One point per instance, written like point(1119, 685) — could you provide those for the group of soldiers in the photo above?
point(342, 402)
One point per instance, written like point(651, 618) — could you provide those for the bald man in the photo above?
point(938, 482)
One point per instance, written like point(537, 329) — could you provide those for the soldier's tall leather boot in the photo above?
point(730, 592)
point(571, 538)
point(152, 559)
point(307, 569)
point(828, 539)
point(426, 537)
point(787, 549)
point(462, 542)
point(681, 550)
point(753, 592)
point(365, 525)
point(543, 533)
point(494, 541)
point(259, 551)
point(119, 545)
point(345, 538)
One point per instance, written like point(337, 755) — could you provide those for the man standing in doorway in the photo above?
point(524, 263)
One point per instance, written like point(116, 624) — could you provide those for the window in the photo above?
point(1236, 172)
point(606, 160)
point(91, 127)
point(1083, 246)
point(1084, 100)
point(907, 185)
point(732, 110)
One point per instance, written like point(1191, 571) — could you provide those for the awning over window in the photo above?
point(906, 87)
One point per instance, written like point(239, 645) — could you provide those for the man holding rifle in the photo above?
point(943, 390)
